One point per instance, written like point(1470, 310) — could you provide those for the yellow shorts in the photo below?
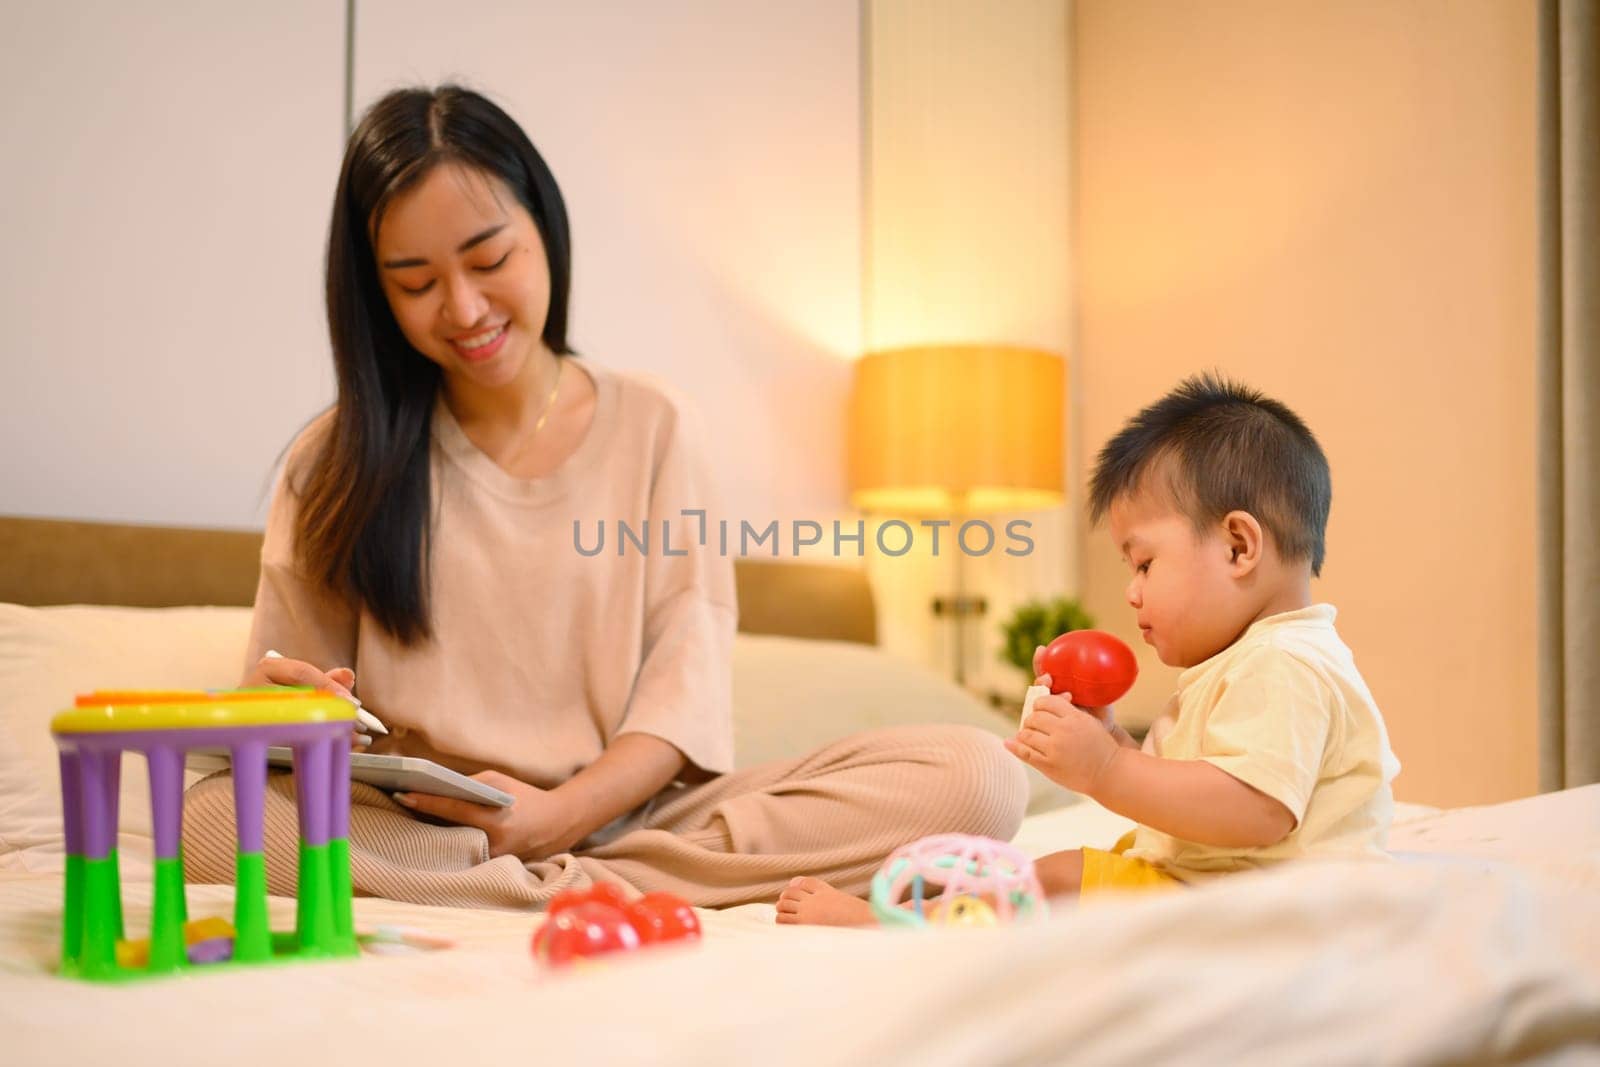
point(1111, 872)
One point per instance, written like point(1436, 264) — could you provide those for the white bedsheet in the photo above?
point(1482, 943)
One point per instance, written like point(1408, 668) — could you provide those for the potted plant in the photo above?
point(1038, 622)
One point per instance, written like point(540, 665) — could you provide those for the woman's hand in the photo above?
point(541, 822)
point(537, 824)
point(277, 670)
point(341, 681)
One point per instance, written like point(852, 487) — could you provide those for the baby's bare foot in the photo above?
point(813, 901)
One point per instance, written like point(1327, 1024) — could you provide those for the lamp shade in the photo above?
point(957, 429)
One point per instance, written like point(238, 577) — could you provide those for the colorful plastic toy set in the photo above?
point(956, 880)
point(582, 924)
point(163, 726)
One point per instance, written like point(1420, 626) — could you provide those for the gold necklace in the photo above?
point(550, 402)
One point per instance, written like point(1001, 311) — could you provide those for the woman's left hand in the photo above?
point(536, 824)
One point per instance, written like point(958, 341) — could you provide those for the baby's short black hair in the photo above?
point(1223, 447)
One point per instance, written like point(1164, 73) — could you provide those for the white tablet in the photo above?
point(394, 774)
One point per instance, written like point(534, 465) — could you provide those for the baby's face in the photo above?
point(1188, 604)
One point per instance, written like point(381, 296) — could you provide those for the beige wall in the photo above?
point(1335, 202)
point(165, 209)
point(168, 175)
point(710, 155)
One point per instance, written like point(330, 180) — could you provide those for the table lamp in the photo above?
point(957, 431)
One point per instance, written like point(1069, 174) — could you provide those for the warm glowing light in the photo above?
point(957, 429)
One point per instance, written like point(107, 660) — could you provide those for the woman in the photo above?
point(422, 540)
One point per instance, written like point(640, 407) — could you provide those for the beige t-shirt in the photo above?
point(1282, 709)
point(541, 652)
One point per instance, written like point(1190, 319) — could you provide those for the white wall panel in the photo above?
point(968, 241)
point(709, 152)
point(168, 168)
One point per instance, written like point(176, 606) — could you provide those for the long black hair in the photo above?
point(363, 526)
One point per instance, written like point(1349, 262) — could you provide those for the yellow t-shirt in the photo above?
point(1282, 709)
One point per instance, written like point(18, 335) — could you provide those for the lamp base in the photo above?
point(960, 606)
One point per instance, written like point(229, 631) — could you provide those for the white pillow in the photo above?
point(49, 655)
point(793, 695)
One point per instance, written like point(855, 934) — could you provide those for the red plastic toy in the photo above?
point(581, 931)
point(600, 893)
point(663, 917)
point(584, 923)
point(1096, 668)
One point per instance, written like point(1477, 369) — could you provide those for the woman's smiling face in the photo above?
point(464, 270)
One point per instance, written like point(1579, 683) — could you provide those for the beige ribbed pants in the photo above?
point(736, 839)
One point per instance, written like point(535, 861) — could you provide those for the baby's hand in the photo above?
point(1070, 745)
point(1106, 714)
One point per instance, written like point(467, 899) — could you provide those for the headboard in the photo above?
point(55, 561)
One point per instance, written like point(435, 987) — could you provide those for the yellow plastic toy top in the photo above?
point(108, 710)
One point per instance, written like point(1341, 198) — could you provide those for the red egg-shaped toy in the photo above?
point(598, 893)
point(662, 917)
point(1096, 668)
point(582, 931)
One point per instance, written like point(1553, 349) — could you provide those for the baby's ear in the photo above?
point(1246, 541)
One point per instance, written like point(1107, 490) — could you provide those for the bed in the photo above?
point(1478, 943)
